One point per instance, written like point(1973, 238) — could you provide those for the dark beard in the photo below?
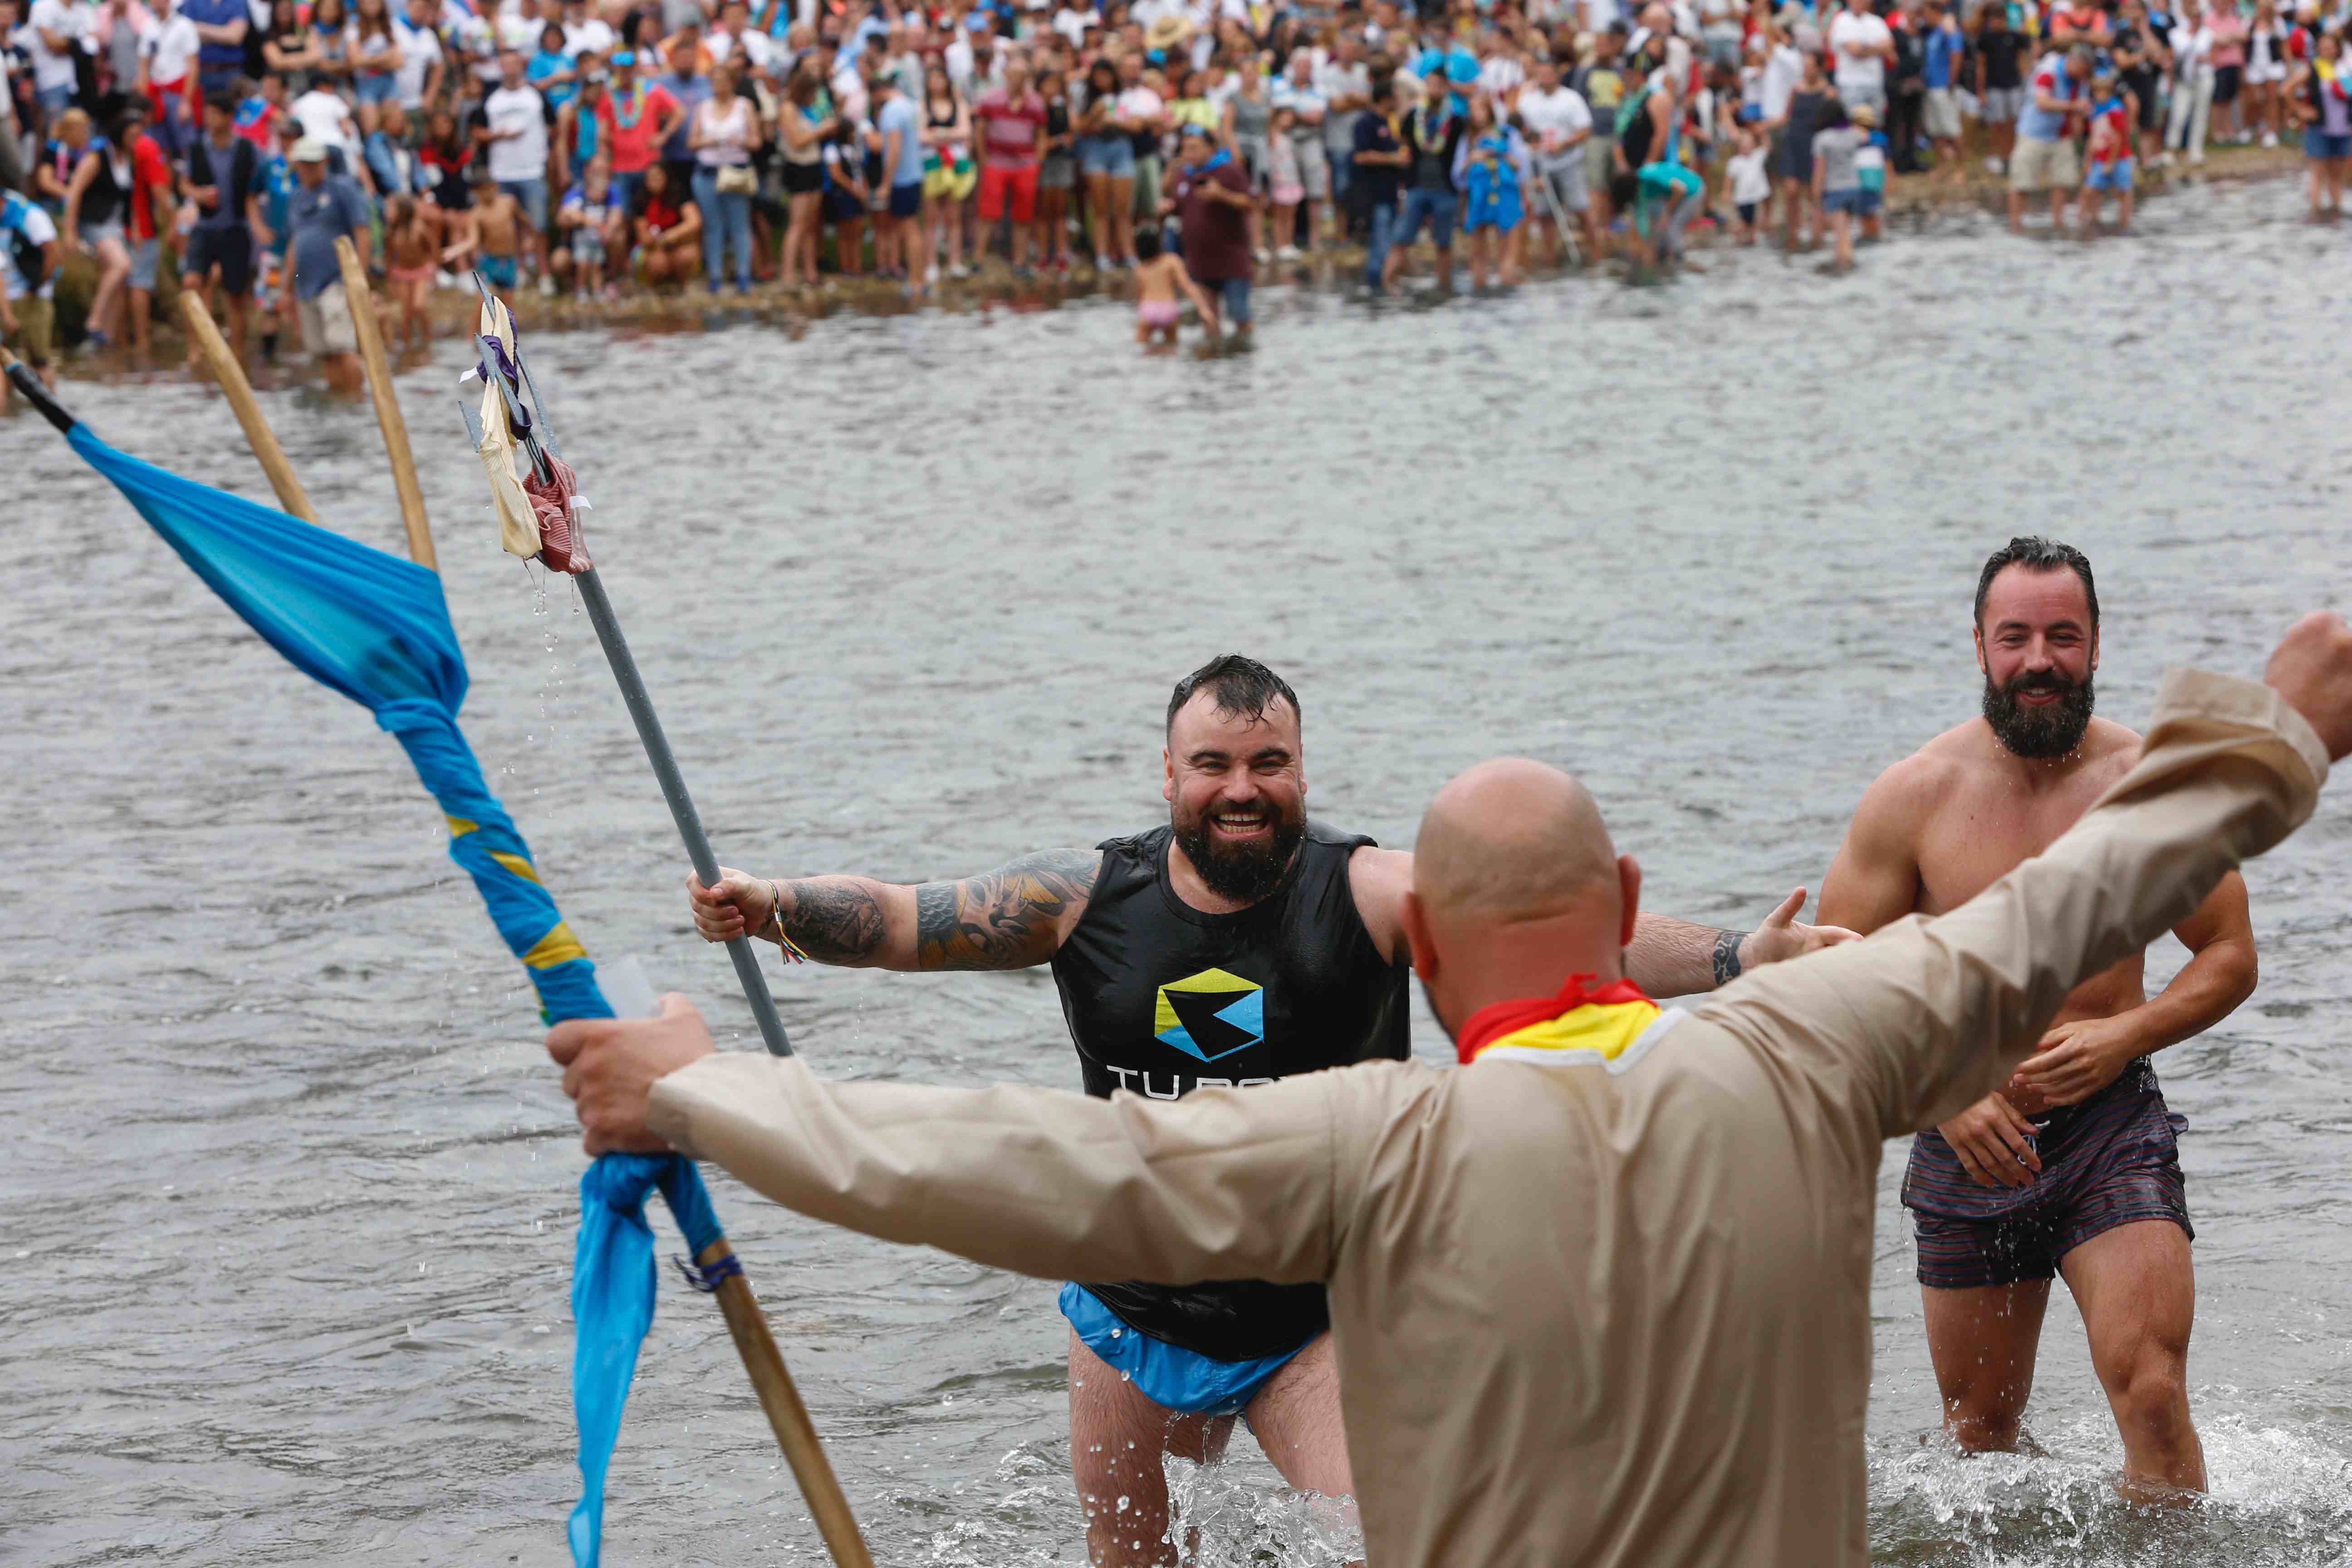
point(1241, 872)
point(2039, 733)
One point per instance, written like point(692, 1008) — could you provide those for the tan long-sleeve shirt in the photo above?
point(1584, 1314)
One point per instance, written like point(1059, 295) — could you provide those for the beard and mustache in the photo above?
point(1246, 870)
point(2040, 732)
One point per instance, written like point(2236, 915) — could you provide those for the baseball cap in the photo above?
point(309, 150)
point(1192, 128)
point(624, 57)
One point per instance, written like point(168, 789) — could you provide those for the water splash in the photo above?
point(2281, 1495)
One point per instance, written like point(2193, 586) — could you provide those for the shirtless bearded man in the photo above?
point(2072, 1168)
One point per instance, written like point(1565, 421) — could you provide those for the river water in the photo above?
point(284, 1272)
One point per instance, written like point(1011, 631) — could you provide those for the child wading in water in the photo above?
point(1492, 210)
point(1286, 188)
point(1751, 187)
point(2111, 166)
point(496, 235)
point(586, 212)
point(411, 243)
point(1837, 182)
point(1161, 286)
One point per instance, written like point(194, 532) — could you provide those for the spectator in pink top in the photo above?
point(2228, 30)
point(1012, 122)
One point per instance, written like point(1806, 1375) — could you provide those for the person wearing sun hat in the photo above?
point(325, 207)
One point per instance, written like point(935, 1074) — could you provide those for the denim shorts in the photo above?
point(1111, 155)
point(1170, 1376)
point(374, 87)
point(2318, 143)
point(1438, 207)
point(532, 196)
point(144, 255)
point(1234, 299)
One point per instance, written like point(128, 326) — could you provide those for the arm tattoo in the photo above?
point(1727, 955)
point(1003, 919)
point(834, 922)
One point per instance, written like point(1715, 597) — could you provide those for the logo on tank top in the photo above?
point(1210, 1015)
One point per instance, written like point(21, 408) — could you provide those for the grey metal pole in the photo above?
point(681, 805)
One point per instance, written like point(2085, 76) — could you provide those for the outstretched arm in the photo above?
point(1225, 1184)
point(1669, 957)
point(1010, 918)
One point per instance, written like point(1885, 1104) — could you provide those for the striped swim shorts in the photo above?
point(2111, 1160)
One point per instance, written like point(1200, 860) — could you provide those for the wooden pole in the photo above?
point(257, 434)
point(362, 300)
point(795, 1433)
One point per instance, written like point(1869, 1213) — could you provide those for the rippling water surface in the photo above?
point(283, 1276)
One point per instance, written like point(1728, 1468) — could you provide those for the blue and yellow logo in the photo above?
point(1210, 1015)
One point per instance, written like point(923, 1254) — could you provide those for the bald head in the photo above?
point(1516, 887)
point(1512, 840)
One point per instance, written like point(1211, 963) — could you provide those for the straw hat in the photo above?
point(1167, 32)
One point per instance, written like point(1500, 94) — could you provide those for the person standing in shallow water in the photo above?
point(2072, 1167)
point(1241, 944)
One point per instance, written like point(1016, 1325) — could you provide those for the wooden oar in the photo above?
point(257, 434)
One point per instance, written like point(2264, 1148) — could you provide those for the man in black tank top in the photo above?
point(1238, 943)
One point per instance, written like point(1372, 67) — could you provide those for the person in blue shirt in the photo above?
point(324, 208)
point(1942, 45)
point(221, 27)
point(1491, 210)
point(551, 69)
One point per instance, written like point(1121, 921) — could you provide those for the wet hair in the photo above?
point(1147, 248)
point(1240, 686)
point(2036, 553)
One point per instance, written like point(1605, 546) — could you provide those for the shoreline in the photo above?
point(993, 284)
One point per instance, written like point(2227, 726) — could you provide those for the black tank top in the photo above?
point(1161, 998)
point(106, 196)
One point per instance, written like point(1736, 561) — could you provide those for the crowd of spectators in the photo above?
point(594, 146)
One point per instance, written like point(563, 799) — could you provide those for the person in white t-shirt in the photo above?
point(734, 36)
point(50, 36)
point(1784, 65)
point(586, 32)
point(167, 66)
point(514, 118)
point(417, 81)
point(1862, 46)
point(326, 119)
point(1559, 123)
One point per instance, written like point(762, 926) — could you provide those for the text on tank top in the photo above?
point(1161, 998)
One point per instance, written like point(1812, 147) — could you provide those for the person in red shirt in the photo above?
point(1012, 122)
point(1211, 197)
point(151, 219)
point(633, 120)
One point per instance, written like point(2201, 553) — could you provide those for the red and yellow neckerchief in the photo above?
point(1605, 1022)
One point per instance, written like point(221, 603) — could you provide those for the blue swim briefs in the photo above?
point(1183, 1380)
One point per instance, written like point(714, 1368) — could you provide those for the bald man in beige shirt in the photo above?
point(1600, 1297)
